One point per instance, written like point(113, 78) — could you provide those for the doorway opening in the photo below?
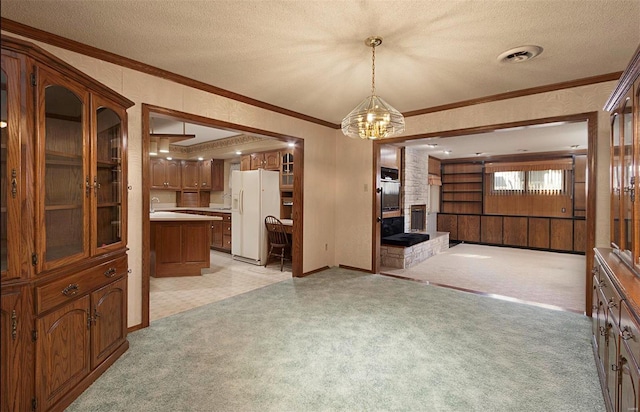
point(588, 122)
point(235, 138)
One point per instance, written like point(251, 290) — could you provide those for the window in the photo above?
point(545, 181)
point(534, 182)
point(541, 177)
point(505, 181)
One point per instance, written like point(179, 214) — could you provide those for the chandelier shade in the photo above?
point(373, 118)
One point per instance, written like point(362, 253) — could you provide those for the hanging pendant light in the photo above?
point(373, 118)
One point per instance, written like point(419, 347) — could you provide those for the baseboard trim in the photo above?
point(314, 271)
point(355, 268)
point(135, 328)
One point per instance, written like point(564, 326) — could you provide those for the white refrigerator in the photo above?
point(255, 194)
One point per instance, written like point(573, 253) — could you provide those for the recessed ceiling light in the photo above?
point(238, 153)
point(519, 54)
point(291, 144)
point(169, 158)
point(201, 158)
point(447, 152)
point(574, 146)
point(478, 153)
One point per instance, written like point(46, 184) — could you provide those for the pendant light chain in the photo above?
point(373, 70)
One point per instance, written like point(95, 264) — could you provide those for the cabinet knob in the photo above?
point(626, 334)
point(111, 272)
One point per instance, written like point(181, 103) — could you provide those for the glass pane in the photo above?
point(615, 180)
point(109, 177)
point(547, 182)
point(507, 181)
point(64, 188)
point(627, 209)
point(3, 175)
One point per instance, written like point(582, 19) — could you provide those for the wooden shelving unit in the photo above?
point(462, 188)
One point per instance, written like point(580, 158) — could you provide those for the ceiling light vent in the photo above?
point(520, 54)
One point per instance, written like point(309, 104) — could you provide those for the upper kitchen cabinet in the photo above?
point(204, 171)
point(390, 156)
point(286, 169)
point(166, 174)
point(190, 175)
point(262, 160)
point(625, 164)
point(217, 175)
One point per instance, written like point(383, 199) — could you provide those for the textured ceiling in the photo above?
point(310, 57)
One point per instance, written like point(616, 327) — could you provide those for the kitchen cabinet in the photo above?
point(286, 170)
point(217, 175)
point(64, 225)
point(180, 247)
point(196, 175)
point(190, 175)
point(221, 232)
point(204, 171)
point(261, 160)
point(166, 174)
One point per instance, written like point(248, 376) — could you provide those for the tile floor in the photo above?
point(225, 278)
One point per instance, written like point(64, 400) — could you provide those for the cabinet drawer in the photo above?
point(629, 331)
point(69, 287)
point(611, 298)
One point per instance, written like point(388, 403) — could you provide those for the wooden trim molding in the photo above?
point(354, 268)
point(321, 269)
point(77, 47)
point(518, 93)
point(627, 79)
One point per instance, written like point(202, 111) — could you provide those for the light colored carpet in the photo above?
point(556, 279)
point(341, 340)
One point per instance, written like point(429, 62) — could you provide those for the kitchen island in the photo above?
point(179, 243)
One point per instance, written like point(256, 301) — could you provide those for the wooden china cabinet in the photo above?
point(63, 227)
point(616, 271)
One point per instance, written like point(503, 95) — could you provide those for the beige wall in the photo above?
point(319, 162)
point(354, 159)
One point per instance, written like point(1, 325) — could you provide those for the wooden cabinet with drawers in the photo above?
point(616, 330)
point(221, 232)
point(64, 225)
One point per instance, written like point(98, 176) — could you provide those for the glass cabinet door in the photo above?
point(630, 182)
point(616, 172)
point(63, 166)
point(286, 172)
point(10, 195)
point(108, 188)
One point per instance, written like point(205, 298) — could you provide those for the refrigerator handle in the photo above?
point(241, 201)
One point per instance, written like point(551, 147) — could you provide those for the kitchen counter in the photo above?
point(195, 209)
point(161, 216)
